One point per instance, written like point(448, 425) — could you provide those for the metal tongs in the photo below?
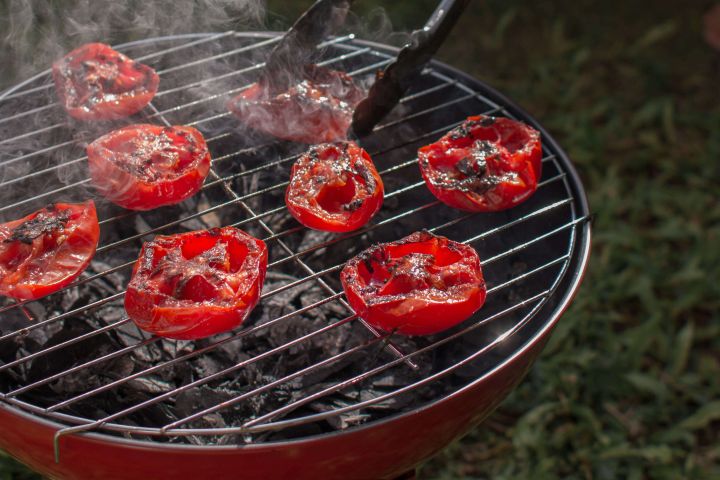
point(298, 48)
point(391, 84)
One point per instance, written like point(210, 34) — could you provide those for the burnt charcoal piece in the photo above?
point(188, 377)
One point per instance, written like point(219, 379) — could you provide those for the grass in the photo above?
point(629, 386)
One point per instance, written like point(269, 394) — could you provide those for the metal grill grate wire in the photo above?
point(372, 59)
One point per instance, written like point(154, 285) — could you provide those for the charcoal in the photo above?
point(141, 225)
point(239, 364)
point(114, 281)
point(229, 353)
point(282, 302)
point(59, 360)
point(70, 300)
point(11, 321)
point(203, 222)
point(288, 433)
point(36, 310)
point(344, 420)
point(312, 238)
point(196, 399)
point(321, 374)
point(176, 348)
point(152, 385)
point(76, 354)
point(207, 365)
point(146, 355)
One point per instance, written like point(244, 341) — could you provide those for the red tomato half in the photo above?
point(193, 285)
point(419, 285)
point(142, 167)
point(318, 109)
point(94, 82)
point(46, 250)
point(485, 164)
point(334, 187)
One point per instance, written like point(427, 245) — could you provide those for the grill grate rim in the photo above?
point(268, 421)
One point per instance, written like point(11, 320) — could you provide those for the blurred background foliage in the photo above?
point(629, 386)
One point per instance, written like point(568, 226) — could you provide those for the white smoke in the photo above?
point(36, 32)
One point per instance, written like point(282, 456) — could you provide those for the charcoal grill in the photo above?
point(304, 389)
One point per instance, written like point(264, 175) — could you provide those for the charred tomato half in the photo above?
point(485, 164)
point(334, 187)
point(46, 250)
point(142, 167)
point(95, 82)
point(193, 285)
point(419, 285)
point(316, 109)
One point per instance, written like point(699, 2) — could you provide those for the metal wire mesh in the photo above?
point(526, 252)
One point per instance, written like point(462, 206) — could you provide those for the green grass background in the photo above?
point(629, 386)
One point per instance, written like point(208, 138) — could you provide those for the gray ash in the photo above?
point(255, 175)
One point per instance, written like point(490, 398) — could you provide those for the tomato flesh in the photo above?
point(317, 109)
point(95, 82)
point(46, 250)
point(193, 285)
point(141, 167)
point(485, 164)
point(334, 187)
point(419, 285)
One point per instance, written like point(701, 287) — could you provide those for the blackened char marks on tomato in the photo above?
point(43, 223)
point(353, 205)
point(367, 176)
point(95, 82)
point(142, 167)
point(470, 173)
point(419, 285)
point(462, 131)
point(334, 187)
point(46, 250)
point(485, 164)
point(150, 148)
point(196, 284)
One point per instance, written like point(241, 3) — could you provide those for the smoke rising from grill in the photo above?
point(287, 311)
point(203, 94)
point(40, 31)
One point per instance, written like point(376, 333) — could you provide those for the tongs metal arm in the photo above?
point(297, 48)
point(392, 83)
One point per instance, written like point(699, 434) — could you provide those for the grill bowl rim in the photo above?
point(578, 261)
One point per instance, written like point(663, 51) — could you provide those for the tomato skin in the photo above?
point(95, 82)
point(317, 109)
point(419, 285)
point(141, 167)
point(334, 187)
point(46, 250)
point(196, 284)
point(486, 164)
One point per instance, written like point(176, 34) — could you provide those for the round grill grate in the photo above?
point(302, 364)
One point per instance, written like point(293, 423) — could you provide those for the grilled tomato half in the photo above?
point(46, 250)
point(316, 109)
point(334, 187)
point(193, 285)
point(94, 82)
point(486, 164)
point(419, 285)
point(142, 167)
